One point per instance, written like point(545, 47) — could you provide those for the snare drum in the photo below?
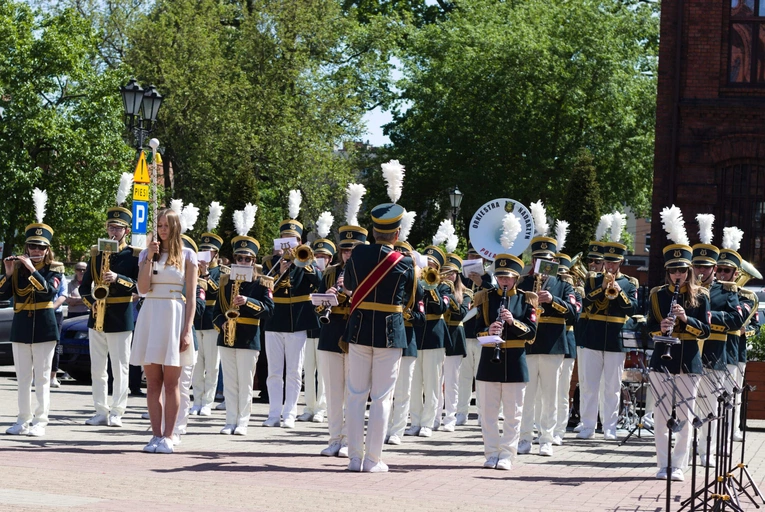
point(632, 367)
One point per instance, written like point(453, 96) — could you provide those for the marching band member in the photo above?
point(510, 314)
point(111, 323)
point(431, 341)
point(610, 299)
point(569, 359)
point(380, 280)
point(240, 307)
point(688, 318)
point(32, 280)
point(414, 314)
point(313, 374)
point(163, 334)
point(557, 305)
point(469, 365)
point(456, 351)
point(205, 377)
point(727, 318)
point(286, 331)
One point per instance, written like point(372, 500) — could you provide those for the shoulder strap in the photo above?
point(373, 278)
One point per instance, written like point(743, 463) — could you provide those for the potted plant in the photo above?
point(755, 376)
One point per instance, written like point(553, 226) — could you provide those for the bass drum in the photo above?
point(486, 228)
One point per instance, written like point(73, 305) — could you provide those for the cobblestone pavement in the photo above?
point(78, 467)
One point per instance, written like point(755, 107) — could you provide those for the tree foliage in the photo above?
point(582, 204)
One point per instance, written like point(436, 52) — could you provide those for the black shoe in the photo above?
point(137, 393)
point(262, 399)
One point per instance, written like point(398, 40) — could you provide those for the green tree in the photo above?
point(582, 204)
point(60, 129)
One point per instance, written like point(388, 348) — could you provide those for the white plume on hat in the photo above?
point(126, 180)
point(39, 198)
point(617, 226)
point(189, 217)
point(539, 214)
point(451, 243)
point(244, 220)
point(407, 221)
point(294, 203)
point(324, 223)
point(674, 225)
point(213, 217)
point(511, 228)
point(249, 215)
point(561, 233)
point(706, 221)
point(445, 230)
point(732, 237)
point(603, 225)
point(393, 172)
point(355, 192)
point(177, 206)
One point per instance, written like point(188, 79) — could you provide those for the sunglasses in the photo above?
point(79, 270)
point(36, 247)
point(721, 270)
point(678, 271)
point(243, 259)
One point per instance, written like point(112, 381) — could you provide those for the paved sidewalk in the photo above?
point(78, 467)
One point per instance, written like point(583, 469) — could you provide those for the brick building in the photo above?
point(710, 121)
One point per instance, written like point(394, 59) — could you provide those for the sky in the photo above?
point(374, 120)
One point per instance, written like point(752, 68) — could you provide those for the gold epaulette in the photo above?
point(592, 274)
point(633, 280)
point(729, 286)
point(566, 278)
point(57, 266)
point(579, 290)
point(531, 298)
point(224, 269)
point(657, 288)
point(223, 281)
point(480, 297)
point(259, 268)
point(136, 251)
point(93, 251)
point(202, 282)
point(469, 293)
point(266, 281)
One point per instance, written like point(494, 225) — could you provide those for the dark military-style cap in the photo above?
point(677, 256)
point(564, 261)
point(39, 233)
point(729, 258)
point(543, 247)
point(350, 236)
point(245, 245)
point(614, 251)
point(435, 254)
point(705, 254)
point(595, 251)
point(324, 246)
point(507, 265)
point(119, 215)
point(386, 217)
point(453, 262)
point(210, 242)
point(189, 243)
point(291, 227)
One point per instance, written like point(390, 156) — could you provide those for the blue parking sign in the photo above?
point(140, 217)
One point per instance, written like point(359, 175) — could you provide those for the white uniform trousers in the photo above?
point(33, 360)
point(427, 381)
point(333, 366)
point(729, 385)
point(238, 373)
point(706, 402)
point(508, 395)
point(185, 390)
point(205, 377)
point(597, 364)
point(544, 373)
point(315, 399)
point(402, 397)
point(452, 365)
point(564, 389)
point(283, 348)
point(468, 371)
point(116, 347)
point(740, 380)
point(663, 391)
point(371, 372)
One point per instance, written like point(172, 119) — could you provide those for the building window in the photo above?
point(746, 59)
point(741, 204)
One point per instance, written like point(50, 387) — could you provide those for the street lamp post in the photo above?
point(455, 198)
point(141, 108)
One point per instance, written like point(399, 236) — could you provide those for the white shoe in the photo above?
point(648, 422)
point(55, 383)
point(165, 445)
point(145, 416)
point(288, 423)
point(437, 424)
point(491, 463)
point(18, 429)
point(586, 433)
point(272, 422)
point(354, 465)
point(36, 430)
point(194, 411)
point(461, 419)
point(546, 449)
point(707, 461)
point(677, 475)
point(579, 427)
point(343, 451)
point(306, 416)
point(227, 430)
point(332, 450)
point(240, 431)
point(98, 419)
point(609, 435)
point(738, 437)
point(176, 438)
point(205, 411)
point(447, 427)
point(524, 447)
point(504, 464)
point(374, 467)
point(412, 431)
point(152, 446)
point(661, 474)
point(115, 421)
point(220, 407)
point(394, 439)
point(425, 432)
point(318, 417)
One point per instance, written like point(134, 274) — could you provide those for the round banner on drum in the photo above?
point(486, 228)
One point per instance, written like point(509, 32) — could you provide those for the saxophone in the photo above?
point(101, 292)
point(232, 314)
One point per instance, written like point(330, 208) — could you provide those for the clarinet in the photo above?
point(668, 335)
point(497, 358)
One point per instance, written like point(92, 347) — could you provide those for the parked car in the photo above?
point(74, 348)
point(6, 318)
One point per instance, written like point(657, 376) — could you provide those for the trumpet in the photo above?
point(325, 309)
point(301, 256)
point(232, 314)
point(610, 291)
point(431, 277)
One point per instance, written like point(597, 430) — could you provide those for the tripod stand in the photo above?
point(639, 425)
point(744, 470)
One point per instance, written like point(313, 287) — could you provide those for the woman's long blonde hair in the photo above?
point(694, 290)
point(459, 288)
point(173, 245)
